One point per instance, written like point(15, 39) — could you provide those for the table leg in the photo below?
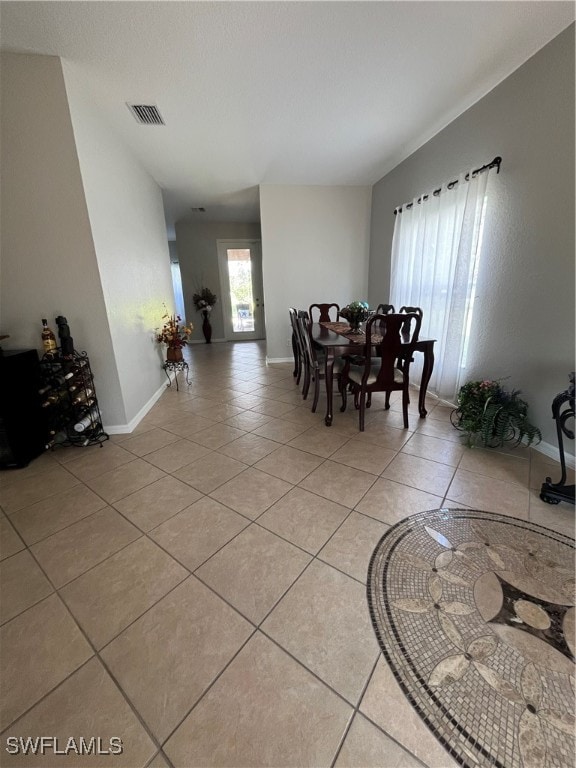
point(329, 377)
point(427, 368)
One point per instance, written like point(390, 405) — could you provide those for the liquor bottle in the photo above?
point(48, 338)
point(87, 421)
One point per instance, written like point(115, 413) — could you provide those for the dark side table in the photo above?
point(176, 367)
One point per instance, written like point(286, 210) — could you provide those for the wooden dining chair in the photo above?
point(297, 350)
point(366, 374)
point(315, 361)
point(324, 310)
point(385, 309)
point(411, 310)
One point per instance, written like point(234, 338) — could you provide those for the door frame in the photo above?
point(255, 246)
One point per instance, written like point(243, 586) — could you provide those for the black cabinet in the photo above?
point(22, 418)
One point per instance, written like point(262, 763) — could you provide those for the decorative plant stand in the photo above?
point(554, 493)
point(176, 367)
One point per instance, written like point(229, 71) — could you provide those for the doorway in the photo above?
point(240, 265)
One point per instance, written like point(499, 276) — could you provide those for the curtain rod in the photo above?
point(494, 164)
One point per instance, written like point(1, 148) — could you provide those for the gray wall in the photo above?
point(198, 257)
point(523, 325)
point(49, 264)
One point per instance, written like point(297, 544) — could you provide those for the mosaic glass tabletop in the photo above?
point(474, 613)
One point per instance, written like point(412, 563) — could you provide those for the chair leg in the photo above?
point(343, 392)
point(299, 367)
point(387, 402)
point(295, 353)
point(362, 409)
point(369, 400)
point(405, 402)
point(316, 391)
point(306, 385)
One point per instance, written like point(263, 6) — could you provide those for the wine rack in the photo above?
point(68, 398)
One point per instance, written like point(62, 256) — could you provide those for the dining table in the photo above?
point(337, 340)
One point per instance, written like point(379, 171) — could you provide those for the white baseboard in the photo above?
point(124, 429)
point(271, 360)
point(553, 453)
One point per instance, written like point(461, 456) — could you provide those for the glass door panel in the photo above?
point(241, 278)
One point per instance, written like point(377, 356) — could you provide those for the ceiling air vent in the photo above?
point(146, 114)
point(198, 210)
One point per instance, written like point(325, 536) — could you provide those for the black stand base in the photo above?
point(554, 494)
point(176, 367)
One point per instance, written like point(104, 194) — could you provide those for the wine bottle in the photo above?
point(43, 390)
point(48, 338)
point(82, 397)
point(54, 398)
point(87, 421)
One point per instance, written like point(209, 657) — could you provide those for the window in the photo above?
point(435, 256)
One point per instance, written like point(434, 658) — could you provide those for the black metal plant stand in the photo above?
point(554, 493)
point(176, 367)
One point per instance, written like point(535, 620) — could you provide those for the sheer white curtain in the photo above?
point(434, 262)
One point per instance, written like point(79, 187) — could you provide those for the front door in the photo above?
point(240, 264)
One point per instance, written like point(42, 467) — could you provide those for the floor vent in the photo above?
point(146, 114)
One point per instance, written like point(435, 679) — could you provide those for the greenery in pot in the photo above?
point(491, 415)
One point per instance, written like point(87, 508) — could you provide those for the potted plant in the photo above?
point(356, 312)
point(174, 333)
point(491, 415)
point(204, 301)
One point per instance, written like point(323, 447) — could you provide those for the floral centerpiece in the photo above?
point(356, 312)
point(490, 414)
point(204, 300)
point(174, 333)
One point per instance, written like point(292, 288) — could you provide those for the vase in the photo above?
point(174, 354)
point(206, 327)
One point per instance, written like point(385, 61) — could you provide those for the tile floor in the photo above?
point(197, 588)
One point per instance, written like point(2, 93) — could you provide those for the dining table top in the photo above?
point(326, 335)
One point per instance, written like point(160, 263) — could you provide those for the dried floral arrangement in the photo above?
point(174, 333)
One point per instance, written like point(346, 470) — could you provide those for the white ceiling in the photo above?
point(281, 92)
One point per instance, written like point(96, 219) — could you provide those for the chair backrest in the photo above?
point(324, 310)
point(411, 310)
point(394, 344)
point(407, 327)
point(385, 309)
point(304, 324)
point(296, 330)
